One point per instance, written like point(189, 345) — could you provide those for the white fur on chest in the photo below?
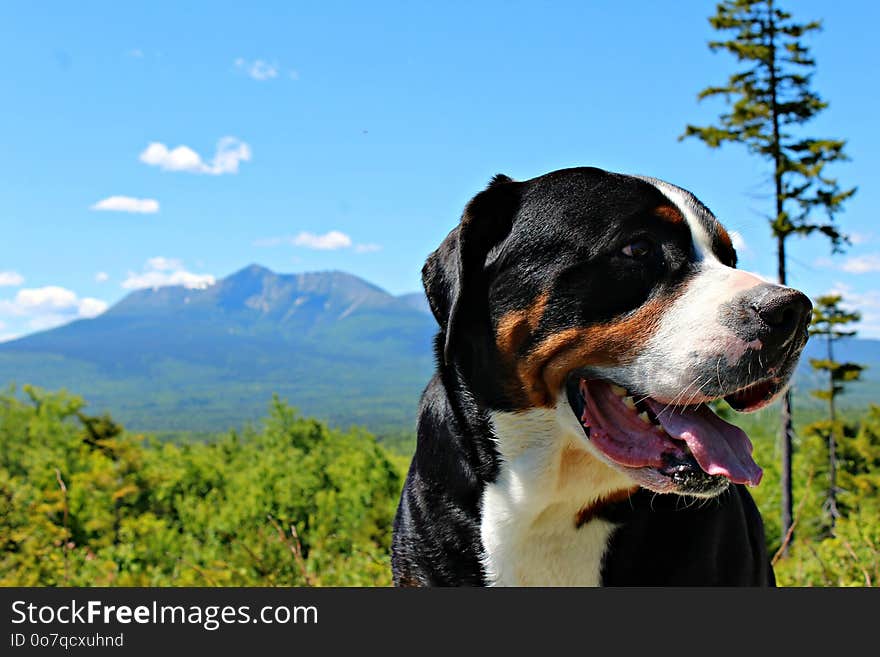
point(529, 514)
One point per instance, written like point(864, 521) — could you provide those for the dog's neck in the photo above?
point(538, 523)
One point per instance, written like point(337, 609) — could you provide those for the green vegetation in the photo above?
point(851, 555)
point(87, 504)
point(837, 474)
point(292, 502)
point(828, 321)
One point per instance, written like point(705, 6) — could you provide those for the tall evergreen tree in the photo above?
point(769, 99)
point(828, 322)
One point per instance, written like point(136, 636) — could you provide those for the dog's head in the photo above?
point(615, 300)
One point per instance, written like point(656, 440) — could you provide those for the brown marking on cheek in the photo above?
point(669, 213)
point(542, 372)
point(515, 327)
point(590, 511)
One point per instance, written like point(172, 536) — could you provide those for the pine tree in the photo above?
point(768, 100)
point(828, 321)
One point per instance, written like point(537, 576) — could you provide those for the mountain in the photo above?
point(417, 300)
point(332, 344)
point(173, 358)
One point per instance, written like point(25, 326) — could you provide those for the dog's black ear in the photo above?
point(453, 275)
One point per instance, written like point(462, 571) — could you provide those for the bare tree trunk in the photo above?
point(785, 423)
point(786, 434)
point(786, 428)
point(833, 511)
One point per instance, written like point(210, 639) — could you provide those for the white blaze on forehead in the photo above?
point(688, 206)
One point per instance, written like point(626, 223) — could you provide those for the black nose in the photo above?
point(784, 314)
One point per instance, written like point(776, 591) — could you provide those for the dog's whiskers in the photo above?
point(697, 392)
point(680, 395)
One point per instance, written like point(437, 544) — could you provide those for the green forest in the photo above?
point(291, 502)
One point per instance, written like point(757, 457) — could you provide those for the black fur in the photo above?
point(558, 234)
point(667, 540)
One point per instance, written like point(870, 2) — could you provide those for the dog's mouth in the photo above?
point(666, 448)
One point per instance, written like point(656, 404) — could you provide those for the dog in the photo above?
point(586, 321)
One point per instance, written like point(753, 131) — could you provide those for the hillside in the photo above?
point(333, 345)
point(173, 358)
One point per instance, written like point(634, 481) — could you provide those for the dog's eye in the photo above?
point(638, 249)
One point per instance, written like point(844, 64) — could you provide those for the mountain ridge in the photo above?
point(226, 348)
point(334, 345)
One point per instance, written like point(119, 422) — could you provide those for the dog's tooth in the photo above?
point(630, 403)
point(643, 416)
point(617, 390)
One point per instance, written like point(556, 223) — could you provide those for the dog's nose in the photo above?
point(783, 313)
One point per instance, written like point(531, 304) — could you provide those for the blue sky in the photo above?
point(154, 143)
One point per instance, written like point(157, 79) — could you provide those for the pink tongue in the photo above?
point(719, 447)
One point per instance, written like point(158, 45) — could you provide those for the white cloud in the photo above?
point(862, 264)
point(860, 238)
point(162, 272)
point(852, 298)
point(330, 241)
point(50, 297)
point(258, 69)
point(182, 158)
point(102, 277)
point(10, 279)
point(50, 306)
point(137, 53)
point(91, 307)
point(156, 279)
point(6, 337)
point(230, 153)
point(127, 204)
point(866, 303)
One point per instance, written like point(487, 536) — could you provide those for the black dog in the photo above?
point(586, 318)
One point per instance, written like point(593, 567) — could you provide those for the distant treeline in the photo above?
point(293, 502)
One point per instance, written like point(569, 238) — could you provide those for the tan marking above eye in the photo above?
point(669, 213)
